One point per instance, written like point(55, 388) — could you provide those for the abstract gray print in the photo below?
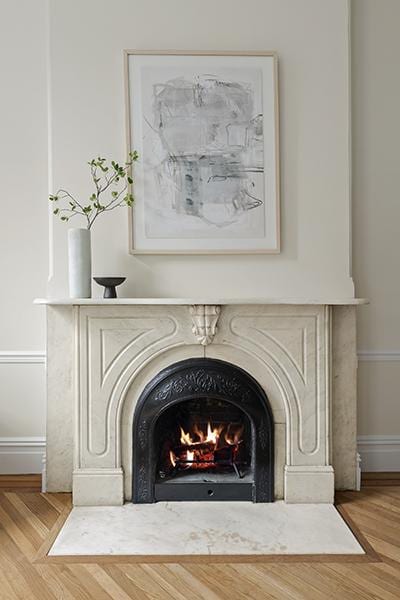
point(203, 153)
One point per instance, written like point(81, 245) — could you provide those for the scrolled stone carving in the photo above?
point(143, 433)
point(142, 493)
point(204, 319)
point(200, 381)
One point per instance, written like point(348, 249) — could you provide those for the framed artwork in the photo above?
point(205, 125)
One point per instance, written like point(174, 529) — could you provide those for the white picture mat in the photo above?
point(269, 242)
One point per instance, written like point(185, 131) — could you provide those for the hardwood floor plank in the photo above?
point(7, 593)
point(16, 534)
point(107, 583)
point(374, 500)
point(11, 483)
point(248, 588)
point(221, 584)
point(295, 579)
point(70, 582)
point(21, 574)
point(368, 581)
point(184, 575)
point(392, 491)
point(46, 513)
point(311, 576)
point(52, 580)
point(14, 582)
point(377, 512)
point(153, 573)
point(384, 548)
point(27, 514)
point(268, 581)
point(390, 572)
point(91, 585)
point(346, 587)
point(145, 583)
point(382, 478)
point(371, 527)
point(117, 573)
point(176, 584)
point(58, 501)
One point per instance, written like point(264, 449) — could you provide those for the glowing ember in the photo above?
point(206, 449)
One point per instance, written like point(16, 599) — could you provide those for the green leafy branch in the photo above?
point(112, 183)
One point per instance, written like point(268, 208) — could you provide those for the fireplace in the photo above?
point(124, 378)
point(203, 430)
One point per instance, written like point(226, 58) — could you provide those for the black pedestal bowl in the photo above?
point(109, 284)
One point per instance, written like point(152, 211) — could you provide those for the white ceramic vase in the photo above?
point(79, 263)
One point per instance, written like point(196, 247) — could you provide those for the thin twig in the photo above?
point(102, 183)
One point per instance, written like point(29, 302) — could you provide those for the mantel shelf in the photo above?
point(191, 301)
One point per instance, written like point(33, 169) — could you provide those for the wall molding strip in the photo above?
point(379, 452)
point(384, 356)
point(22, 442)
point(12, 357)
point(39, 356)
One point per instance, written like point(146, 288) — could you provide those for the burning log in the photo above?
point(205, 453)
point(194, 447)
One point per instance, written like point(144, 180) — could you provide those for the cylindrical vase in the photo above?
point(79, 263)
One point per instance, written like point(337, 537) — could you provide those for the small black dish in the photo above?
point(109, 283)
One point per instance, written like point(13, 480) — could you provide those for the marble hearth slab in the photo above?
point(201, 528)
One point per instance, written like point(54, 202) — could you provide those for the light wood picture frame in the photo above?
point(206, 127)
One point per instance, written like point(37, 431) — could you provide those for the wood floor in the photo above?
point(28, 520)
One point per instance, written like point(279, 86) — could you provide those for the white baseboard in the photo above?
point(379, 452)
point(21, 455)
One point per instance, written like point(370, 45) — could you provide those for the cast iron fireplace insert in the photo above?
point(203, 430)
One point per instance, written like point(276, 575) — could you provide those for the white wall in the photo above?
point(87, 87)
point(376, 211)
point(23, 231)
point(87, 117)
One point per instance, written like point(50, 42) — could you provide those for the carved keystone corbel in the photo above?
point(204, 319)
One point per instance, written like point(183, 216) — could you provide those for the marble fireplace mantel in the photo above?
point(204, 301)
point(101, 353)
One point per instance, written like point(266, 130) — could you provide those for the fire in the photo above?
point(236, 437)
point(186, 439)
point(213, 434)
point(189, 458)
point(172, 458)
point(211, 437)
point(202, 449)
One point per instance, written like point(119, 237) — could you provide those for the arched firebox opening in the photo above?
point(203, 430)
